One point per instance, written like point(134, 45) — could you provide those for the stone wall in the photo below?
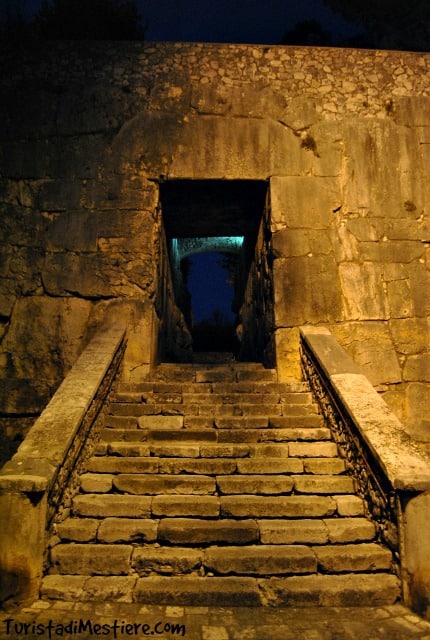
point(343, 137)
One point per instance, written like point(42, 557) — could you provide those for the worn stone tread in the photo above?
point(205, 532)
point(188, 506)
point(353, 590)
point(196, 591)
point(350, 558)
point(261, 560)
point(155, 484)
point(105, 505)
point(91, 559)
point(277, 506)
point(255, 484)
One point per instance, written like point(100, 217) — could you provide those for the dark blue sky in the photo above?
point(208, 286)
point(246, 21)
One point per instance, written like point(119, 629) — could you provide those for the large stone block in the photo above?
point(369, 183)
point(363, 295)
point(303, 202)
point(370, 346)
point(306, 531)
point(417, 368)
point(91, 559)
point(417, 404)
point(195, 531)
point(277, 506)
point(244, 147)
point(176, 561)
point(136, 530)
point(46, 336)
point(287, 354)
point(410, 335)
point(261, 560)
point(306, 290)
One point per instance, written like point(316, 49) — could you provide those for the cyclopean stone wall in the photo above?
point(89, 130)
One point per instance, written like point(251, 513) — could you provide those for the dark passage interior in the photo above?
point(216, 234)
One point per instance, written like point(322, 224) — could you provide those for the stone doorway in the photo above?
point(230, 218)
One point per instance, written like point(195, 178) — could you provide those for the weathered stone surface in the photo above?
point(270, 465)
point(313, 449)
point(293, 434)
point(371, 347)
point(324, 465)
point(268, 451)
point(224, 451)
point(276, 507)
point(410, 335)
point(129, 449)
point(289, 193)
point(194, 531)
point(303, 531)
point(58, 587)
point(112, 505)
point(208, 467)
point(90, 559)
point(331, 591)
point(127, 530)
point(201, 506)
point(96, 482)
point(297, 301)
point(161, 422)
point(78, 529)
point(193, 591)
point(114, 465)
point(417, 401)
point(417, 368)
point(156, 484)
point(176, 451)
point(323, 484)
point(353, 558)
point(242, 422)
point(363, 294)
point(261, 560)
point(349, 506)
point(296, 422)
point(183, 435)
point(350, 530)
point(255, 484)
point(107, 588)
point(170, 561)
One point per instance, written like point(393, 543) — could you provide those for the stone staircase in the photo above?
point(217, 485)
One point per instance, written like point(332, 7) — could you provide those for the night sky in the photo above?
point(245, 21)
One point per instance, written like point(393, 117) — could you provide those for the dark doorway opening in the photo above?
point(211, 229)
point(211, 287)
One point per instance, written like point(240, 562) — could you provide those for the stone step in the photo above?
point(311, 438)
point(316, 531)
point(234, 372)
point(196, 477)
point(136, 389)
point(278, 415)
point(306, 590)
point(104, 505)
